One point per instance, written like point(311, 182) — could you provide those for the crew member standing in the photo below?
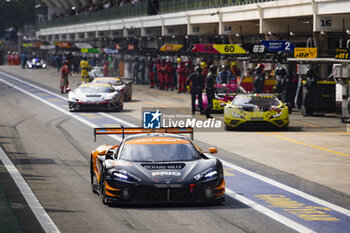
point(259, 79)
point(310, 85)
point(169, 83)
point(158, 72)
point(162, 75)
point(197, 81)
point(64, 77)
point(181, 71)
point(105, 69)
point(24, 60)
point(150, 65)
point(84, 66)
point(224, 76)
point(210, 89)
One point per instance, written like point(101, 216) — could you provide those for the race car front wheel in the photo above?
point(93, 178)
point(103, 195)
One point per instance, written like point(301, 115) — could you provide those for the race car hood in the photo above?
point(185, 172)
point(91, 97)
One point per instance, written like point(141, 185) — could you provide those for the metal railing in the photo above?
point(168, 6)
point(140, 9)
point(126, 11)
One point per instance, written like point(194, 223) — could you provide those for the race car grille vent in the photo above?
point(248, 109)
point(93, 95)
point(164, 166)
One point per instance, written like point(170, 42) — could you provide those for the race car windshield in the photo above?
point(95, 89)
point(97, 73)
point(110, 81)
point(159, 152)
point(257, 101)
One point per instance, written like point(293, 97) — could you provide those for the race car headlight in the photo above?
point(120, 176)
point(211, 174)
point(126, 177)
point(276, 114)
point(206, 175)
point(234, 114)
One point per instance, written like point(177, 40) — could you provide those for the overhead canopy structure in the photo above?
point(83, 45)
point(324, 60)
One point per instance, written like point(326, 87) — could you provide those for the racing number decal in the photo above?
point(258, 48)
point(216, 104)
point(229, 48)
point(342, 56)
point(305, 52)
point(342, 53)
point(287, 44)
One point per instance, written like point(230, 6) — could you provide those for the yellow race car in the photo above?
point(256, 111)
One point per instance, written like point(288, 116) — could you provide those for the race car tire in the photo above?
point(105, 201)
point(228, 127)
point(284, 128)
point(92, 177)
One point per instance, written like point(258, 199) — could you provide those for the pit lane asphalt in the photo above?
point(38, 118)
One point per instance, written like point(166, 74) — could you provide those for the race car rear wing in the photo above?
point(134, 130)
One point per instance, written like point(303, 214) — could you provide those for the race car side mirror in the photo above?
point(109, 156)
point(213, 150)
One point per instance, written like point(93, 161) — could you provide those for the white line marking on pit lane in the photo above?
point(39, 212)
point(240, 169)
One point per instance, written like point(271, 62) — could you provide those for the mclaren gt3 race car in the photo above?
point(118, 84)
point(155, 166)
point(256, 111)
point(95, 96)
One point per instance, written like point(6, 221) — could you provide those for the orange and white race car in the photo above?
point(155, 165)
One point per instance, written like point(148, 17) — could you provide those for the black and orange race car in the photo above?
point(155, 165)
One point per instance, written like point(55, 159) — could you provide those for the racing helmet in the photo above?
point(212, 69)
point(283, 71)
point(223, 67)
point(203, 65)
point(179, 60)
point(197, 69)
point(278, 71)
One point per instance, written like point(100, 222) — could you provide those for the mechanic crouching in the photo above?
point(197, 85)
point(210, 89)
